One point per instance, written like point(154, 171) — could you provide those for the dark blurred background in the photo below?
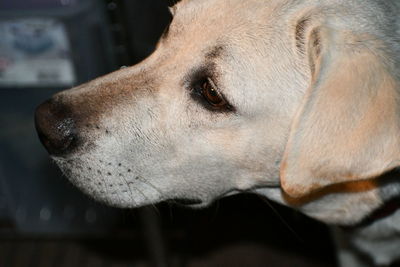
point(50, 45)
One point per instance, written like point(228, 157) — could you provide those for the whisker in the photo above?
point(143, 180)
point(104, 187)
point(301, 240)
point(130, 190)
point(150, 202)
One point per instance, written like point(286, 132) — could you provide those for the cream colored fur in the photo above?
point(315, 85)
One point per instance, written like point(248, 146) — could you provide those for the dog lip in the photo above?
point(186, 201)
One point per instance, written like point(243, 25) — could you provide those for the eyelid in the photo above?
point(213, 85)
point(218, 90)
point(196, 92)
point(194, 80)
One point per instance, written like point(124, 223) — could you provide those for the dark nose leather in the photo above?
point(56, 127)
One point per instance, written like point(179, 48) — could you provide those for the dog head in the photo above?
point(238, 95)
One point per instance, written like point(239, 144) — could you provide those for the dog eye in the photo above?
point(213, 97)
point(210, 93)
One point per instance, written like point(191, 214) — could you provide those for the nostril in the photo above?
point(56, 127)
point(60, 136)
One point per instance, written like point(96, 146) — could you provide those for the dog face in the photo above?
point(211, 111)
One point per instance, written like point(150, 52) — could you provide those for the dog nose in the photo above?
point(56, 127)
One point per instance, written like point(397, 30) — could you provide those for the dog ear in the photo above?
point(347, 127)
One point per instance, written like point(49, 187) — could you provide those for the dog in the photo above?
point(295, 100)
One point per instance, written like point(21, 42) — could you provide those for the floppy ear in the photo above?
point(347, 127)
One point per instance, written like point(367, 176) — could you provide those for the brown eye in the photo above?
point(204, 91)
point(213, 97)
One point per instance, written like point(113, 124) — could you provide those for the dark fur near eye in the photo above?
point(194, 82)
point(199, 75)
point(199, 98)
point(216, 52)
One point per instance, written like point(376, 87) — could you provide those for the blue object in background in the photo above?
point(33, 42)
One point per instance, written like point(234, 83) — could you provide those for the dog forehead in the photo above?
point(201, 28)
point(220, 15)
point(359, 14)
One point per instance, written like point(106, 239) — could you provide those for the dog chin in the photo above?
point(194, 203)
point(121, 193)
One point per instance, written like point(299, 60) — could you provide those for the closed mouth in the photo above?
point(185, 201)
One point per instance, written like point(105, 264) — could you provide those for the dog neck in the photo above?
point(384, 211)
